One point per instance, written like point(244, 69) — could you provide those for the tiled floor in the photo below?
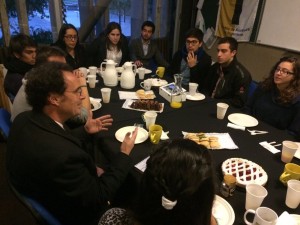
point(12, 212)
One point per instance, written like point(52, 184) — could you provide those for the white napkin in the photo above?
point(234, 126)
point(96, 99)
point(127, 95)
point(142, 164)
point(285, 218)
point(269, 147)
point(164, 135)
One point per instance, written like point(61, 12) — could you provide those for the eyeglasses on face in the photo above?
point(193, 42)
point(77, 92)
point(71, 37)
point(283, 71)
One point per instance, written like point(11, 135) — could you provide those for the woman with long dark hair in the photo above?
point(111, 44)
point(177, 188)
point(68, 41)
point(277, 99)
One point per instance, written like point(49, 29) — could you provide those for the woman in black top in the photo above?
point(69, 42)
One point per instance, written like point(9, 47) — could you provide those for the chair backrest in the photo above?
point(253, 86)
point(41, 214)
point(5, 123)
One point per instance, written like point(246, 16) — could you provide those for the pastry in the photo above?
point(201, 138)
point(245, 171)
point(144, 104)
point(141, 94)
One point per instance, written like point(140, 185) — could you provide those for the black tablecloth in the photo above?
point(200, 116)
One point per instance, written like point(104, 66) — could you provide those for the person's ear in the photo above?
point(54, 99)
point(233, 53)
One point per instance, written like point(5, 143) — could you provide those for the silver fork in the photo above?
point(255, 132)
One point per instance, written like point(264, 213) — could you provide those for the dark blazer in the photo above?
point(49, 164)
point(96, 52)
point(137, 53)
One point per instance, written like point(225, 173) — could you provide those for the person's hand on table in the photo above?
point(138, 63)
point(191, 59)
point(128, 142)
point(98, 124)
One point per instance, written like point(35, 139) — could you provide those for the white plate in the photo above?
point(141, 137)
point(96, 103)
point(242, 120)
point(296, 217)
point(223, 211)
point(196, 97)
point(297, 154)
point(158, 82)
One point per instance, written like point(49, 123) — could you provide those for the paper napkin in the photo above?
point(234, 126)
point(142, 164)
point(269, 147)
point(286, 218)
point(127, 95)
point(164, 135)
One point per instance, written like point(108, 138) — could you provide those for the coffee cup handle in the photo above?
point(142, 84)
point(245, 216)
point(284, 176)
point(156, 72)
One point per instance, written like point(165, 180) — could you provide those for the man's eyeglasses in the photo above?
point(283, 72)
point(71, 37)
point(193, 42)
point(77, 92)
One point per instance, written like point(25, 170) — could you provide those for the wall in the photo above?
point(258, 59)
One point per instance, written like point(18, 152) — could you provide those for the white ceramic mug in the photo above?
point(262, 216)
point(146, 84)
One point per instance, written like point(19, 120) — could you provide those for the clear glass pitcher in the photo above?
point(176, 94)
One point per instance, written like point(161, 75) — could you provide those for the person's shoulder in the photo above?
point(116, 216)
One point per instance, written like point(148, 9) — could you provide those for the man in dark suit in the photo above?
point(144, 51)
point(47, 162)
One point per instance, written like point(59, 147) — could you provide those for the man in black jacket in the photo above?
point(47, 162)
point(228, 79)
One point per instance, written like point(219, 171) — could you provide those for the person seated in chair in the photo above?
point(276, 100)
point(51, 54)
point(48, 162)
point(144, 51)
point(22, 50)
point(169, 196)
point(228, 79)
point(191, 61)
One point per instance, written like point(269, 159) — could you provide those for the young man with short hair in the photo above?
point(22, 51)
point(144, 51)
point(228, 80)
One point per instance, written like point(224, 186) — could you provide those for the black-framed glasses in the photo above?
point(71, 37)
point(193, 42)
point(77, 92)
point(283, 71)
